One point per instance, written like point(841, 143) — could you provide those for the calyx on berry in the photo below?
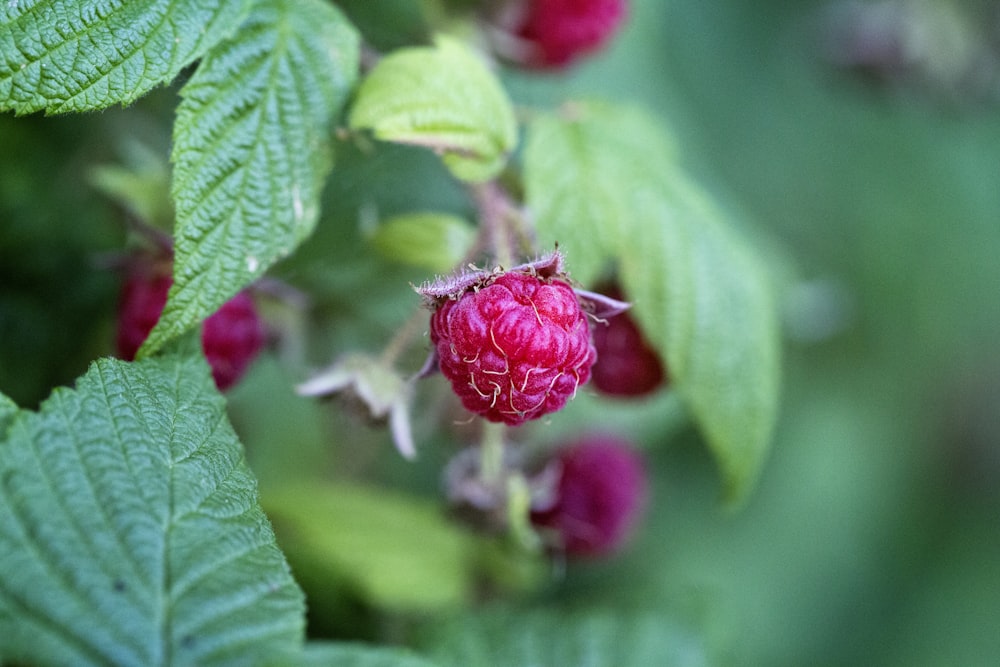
point(514, 344)
point(600, 495)
point(231, 338)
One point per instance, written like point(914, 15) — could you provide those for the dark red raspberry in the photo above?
point(515, 345)
point(231, 337)
point(601, 493)
point(626, 364)
point(563, 30)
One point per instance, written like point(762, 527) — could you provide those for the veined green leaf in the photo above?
point(252, 151)
point(601, 182)
point(59, 57)
point(433, 241)
point(506, 637)
point(442, 97)
point(708, 305)
point(130, 532)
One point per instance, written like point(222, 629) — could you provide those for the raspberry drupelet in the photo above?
point(516, 344)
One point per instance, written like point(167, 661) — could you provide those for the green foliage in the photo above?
point(552, 638)
point(444, 98)
point(602, 183)
point(8, 410)
point(252, 151)
point(395, 551)
point(130, 531)
point(433, 241)
point(61, 57)
point(343, 654)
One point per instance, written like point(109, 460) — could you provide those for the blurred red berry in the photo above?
point(514, 345)
point(561, 31)
point(231, 338)
point(626, 364)
point(601, 492)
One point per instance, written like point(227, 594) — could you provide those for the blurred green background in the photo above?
point(874, 536)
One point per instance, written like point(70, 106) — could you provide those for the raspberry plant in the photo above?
point(131, 526)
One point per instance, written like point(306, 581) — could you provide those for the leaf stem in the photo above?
point(491, 454)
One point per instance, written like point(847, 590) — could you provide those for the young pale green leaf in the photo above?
point(507, 637)
point(252, 151)
point(433, 241)
point(130, 532)
point(396, 552)
point(442, 97)
point(601, 182)
point(62, 57)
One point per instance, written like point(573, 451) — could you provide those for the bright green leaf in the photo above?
point(506, 637)
point(252, 151)
point(394, 551)
point(433, 241)
point(130, 532)
point(60, 57)
point(602, 182)
point(442, 97)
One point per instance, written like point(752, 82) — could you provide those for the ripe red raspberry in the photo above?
point(515, 345)
point(231, 337)
point(626, 364)
point(601, 493)
point(563, 30)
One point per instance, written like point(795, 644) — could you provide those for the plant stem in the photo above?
point(491, 454)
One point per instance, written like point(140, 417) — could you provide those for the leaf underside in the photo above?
point(61, 57)
point(252, 149)
point(130, 531)
point(602, 181)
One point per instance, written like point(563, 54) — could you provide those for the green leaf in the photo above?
point(130, 532)
point(252, 151)
point(507, 637)
point(580, 168)
point(395, 551)
point(701, 295)
point(433, 241)
point(442, 97)
point(142, 186)
point(710, 309)
point(61, 57)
